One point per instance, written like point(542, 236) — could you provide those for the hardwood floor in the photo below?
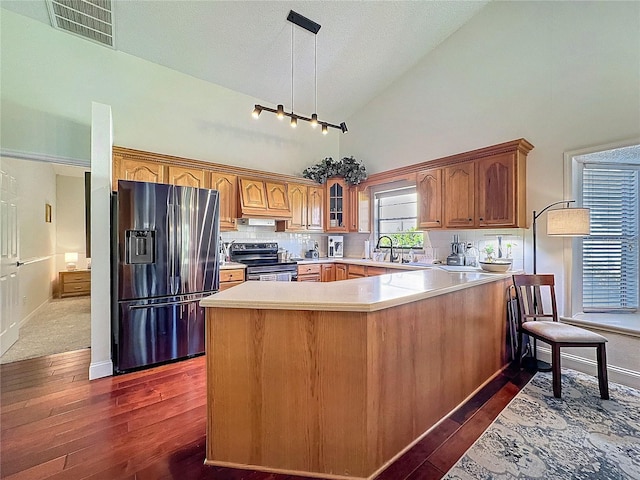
point(56, 424)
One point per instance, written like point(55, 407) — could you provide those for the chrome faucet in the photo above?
point(392, 257)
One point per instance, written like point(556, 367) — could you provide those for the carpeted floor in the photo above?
point(576, 437)
point(61, 326)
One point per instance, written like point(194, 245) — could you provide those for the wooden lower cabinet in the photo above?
point(341, 271)
point(339, 394)
point(328, 272)
point(309, 273)
point(74, 283)
point(230, 278)
point(357, 271)
point(373, 271)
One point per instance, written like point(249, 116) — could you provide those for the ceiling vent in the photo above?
point(90, 19)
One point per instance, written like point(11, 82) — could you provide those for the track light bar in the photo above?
point(281, 113)
point(303, 22)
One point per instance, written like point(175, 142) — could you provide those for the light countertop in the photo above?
point(367, 294)
point(231, 265)
point(363, 261)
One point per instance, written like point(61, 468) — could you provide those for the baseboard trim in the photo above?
point(100, 369)
point(24, 321)
point(620, 375)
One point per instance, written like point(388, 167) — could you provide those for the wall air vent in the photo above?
point(90, 19)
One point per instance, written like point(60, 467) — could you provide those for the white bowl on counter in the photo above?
point(501, 265)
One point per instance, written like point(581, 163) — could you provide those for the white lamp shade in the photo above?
point(568, 222)
point(71, 257)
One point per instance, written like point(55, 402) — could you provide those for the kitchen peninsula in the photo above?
point(336, 380)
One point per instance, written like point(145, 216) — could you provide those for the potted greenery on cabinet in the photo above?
point(340, 178)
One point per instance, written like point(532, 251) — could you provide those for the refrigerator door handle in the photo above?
point(162, 305)
point(171, 256)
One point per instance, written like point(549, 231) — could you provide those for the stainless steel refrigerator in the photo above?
point(165, 254)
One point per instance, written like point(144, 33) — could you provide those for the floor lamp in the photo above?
point(561, 222)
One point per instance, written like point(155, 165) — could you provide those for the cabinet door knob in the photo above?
point(481, 219)
point(471, 220)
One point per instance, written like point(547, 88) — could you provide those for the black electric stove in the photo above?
point(262, 263)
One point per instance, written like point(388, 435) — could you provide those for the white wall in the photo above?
point(563, 75)
point(37, 239)
point(49, 79)
point(70, 228)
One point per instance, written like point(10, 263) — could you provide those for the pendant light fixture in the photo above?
point(313, 27)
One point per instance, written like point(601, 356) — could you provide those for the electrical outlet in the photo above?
point(24, 300)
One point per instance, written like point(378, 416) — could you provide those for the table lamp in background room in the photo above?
point(71, 259)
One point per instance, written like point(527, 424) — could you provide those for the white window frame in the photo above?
point(572, 250)
point(383, 188)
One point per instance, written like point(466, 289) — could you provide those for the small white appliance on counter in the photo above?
point(336, 246)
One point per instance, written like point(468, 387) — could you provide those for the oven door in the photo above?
point(280, 273)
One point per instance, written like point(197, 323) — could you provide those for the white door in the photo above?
point(9, 293)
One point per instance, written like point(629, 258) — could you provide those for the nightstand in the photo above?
point(74, 283)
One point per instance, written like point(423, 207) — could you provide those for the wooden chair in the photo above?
point(532, 291)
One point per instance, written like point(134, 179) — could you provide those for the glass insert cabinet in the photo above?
point(336, 205)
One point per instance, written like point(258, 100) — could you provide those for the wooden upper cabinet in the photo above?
point(263, 198)
point(496, 191)
point(227, 185)
point(307, 204)
point(358, 213)
point(277, 198)
point(298, 204)
point(459, 188)
point(336, 203)
point(187, 177)
point(352, 214)
point(136, 170)
point(429, 186)
point(483, 188)
point(315, 208)
point(252, 195)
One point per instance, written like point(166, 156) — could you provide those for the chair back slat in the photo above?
point(532, 291)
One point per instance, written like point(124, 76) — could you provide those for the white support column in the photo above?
point(101, 143)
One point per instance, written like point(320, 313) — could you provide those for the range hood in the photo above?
point(263, 199)
point(257, 222)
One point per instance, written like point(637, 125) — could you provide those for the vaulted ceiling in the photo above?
point(361, 48)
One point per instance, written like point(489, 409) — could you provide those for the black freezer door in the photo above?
point(167, 240)
point(157, 331)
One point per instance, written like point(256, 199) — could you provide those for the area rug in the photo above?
point(62, 325)
point(579, 436)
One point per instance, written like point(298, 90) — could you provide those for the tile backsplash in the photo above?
point(512, 240)
point(298, 243)
point(295, 243)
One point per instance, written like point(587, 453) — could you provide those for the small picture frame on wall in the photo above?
point(47, 213)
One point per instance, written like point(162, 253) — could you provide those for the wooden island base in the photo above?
point(336, 394)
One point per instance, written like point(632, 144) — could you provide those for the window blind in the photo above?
point(397, 216)
point(610, 253)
